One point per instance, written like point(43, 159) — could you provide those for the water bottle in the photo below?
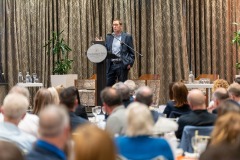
point(191, 77)
point(20, 77)
point(28, 78)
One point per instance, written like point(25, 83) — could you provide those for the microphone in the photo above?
point(123, 43)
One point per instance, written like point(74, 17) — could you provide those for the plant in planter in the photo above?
point(236, 39)
point(57, 46)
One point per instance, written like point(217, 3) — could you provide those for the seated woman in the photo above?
point(138, 144)
point(179, 104)
point(226, 129)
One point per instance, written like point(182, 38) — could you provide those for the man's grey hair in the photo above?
point(144, 95)
point(234, 89)
point(52, 120)
point(21, 90)
point(15, 106)
point(122, 89)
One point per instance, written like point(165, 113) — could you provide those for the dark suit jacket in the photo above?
point(75, 120)
point(184, 109)
point(127, 54)
point(195, 118)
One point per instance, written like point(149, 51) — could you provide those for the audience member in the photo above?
point(237, 80)
point(14, 109)
point(227, 106)
point(138, 143)
point(112, 102)
point(170, 91)
point(54, 132)
point(199, 116)
point(29, 123)
point(124, 91)
point(219, 83)
point(144, 95)
point(132, 87)
point(179, 103)
point(9, 151)
point(54, 95)
point(88, 144)
point(221, 152)
point(234, 92)
point(80, 110)
point(59, 89)
point(226, 129)
point(68, 97)
point(218, 97)
point(42, 98)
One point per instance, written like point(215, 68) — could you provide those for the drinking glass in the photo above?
point(34, 77)
point(98, 109)
point(94, 111)
point(199, 144)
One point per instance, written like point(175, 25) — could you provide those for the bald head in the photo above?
point(196, 99)
point(111, 97)
point(220, 94)
point(144, 95)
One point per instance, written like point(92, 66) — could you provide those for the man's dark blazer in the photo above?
point(195, 118)
point(127, 54)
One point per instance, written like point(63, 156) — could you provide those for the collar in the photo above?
point(51, 148)
point(118, 108)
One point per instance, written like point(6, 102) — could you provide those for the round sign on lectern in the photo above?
point(97, 53)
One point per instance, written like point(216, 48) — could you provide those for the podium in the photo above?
point(97, 53)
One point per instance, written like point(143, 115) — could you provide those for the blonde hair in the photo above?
point(220, 83)
point(226, 129)
point(42, 98)
point(139, 120)
point(59, 89)
point(54, 94)
point(93, 143)
point(15, 106)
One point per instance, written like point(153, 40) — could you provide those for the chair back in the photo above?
point(189, 132)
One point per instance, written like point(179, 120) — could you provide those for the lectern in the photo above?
point(97, 53)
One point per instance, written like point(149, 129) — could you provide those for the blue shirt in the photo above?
point(116, 45)
point(46, 151)
point(143, 148)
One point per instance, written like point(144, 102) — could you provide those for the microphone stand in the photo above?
point(127, 45)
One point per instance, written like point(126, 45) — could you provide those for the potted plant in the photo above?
point(236, 39)
point(59, 49)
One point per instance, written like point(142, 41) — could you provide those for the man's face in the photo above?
point(117, 28)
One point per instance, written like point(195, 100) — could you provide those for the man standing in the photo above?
point(121, 45)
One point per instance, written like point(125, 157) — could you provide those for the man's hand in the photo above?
point(98, 39)
point(128, 67)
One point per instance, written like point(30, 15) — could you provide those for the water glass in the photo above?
point(98, 109)
point(199, 144)
point(94, 111)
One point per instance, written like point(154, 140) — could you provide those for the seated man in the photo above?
point(68, 97)
point(112, 102)
point(14, 109)
point(54, 132)
point(199, 116)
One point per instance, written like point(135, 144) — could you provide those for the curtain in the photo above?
point(174, 36)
